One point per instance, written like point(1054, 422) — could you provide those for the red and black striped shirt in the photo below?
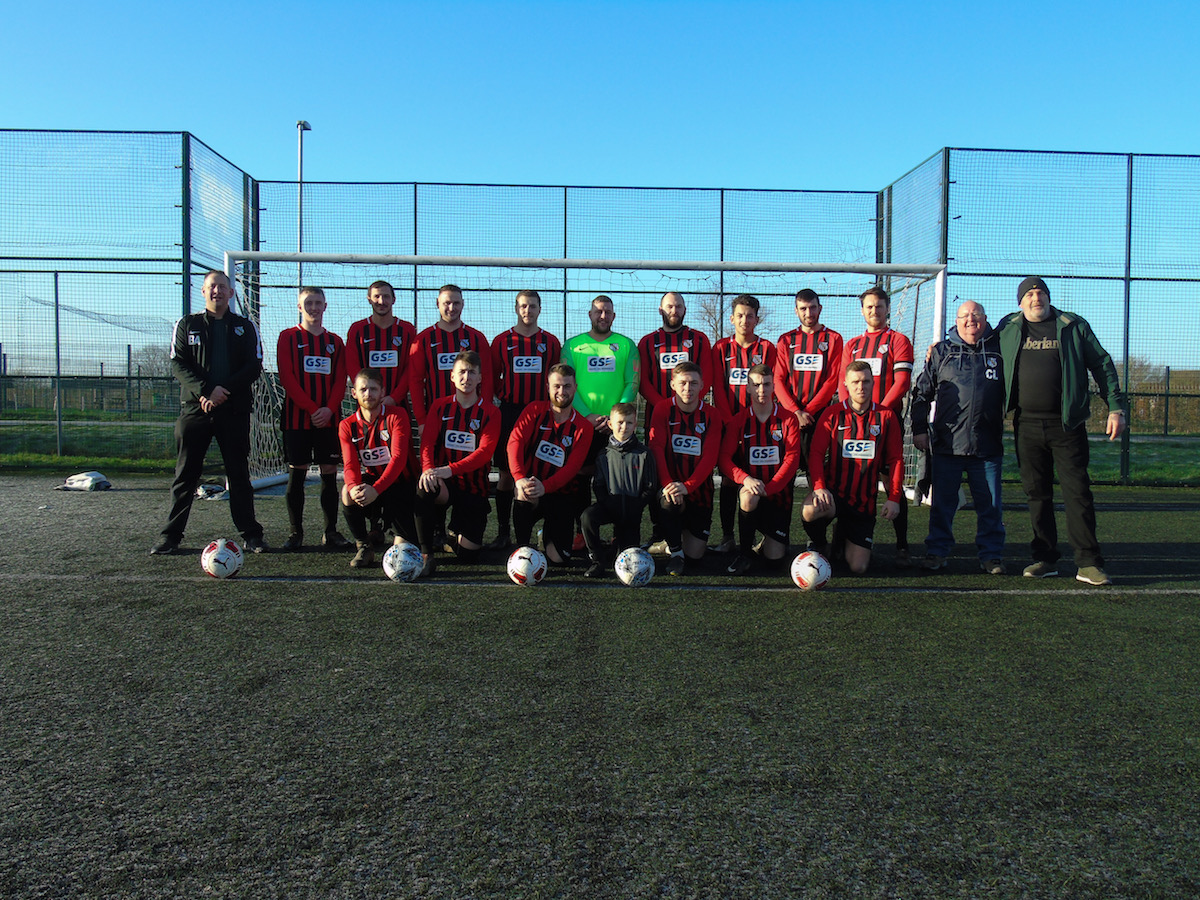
point(552, 452)
point(432, 360)
point(891, 357)
point(731, 364)
point(520, 365)
point(686, 447)
point(385, 349)
point(807, 367)
point(768, 451)
point(851, 450)
point(312, 371)
point(661, 351)
point(378, 452)
point(463, 439)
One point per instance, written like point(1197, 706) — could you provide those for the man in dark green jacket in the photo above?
point(1047, 357)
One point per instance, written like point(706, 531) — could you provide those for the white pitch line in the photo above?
point(708, 588)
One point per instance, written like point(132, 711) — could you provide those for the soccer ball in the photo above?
point(402, 562)
point(635, 567)
point(811, 571)
point(527, 566)
point(222, 558)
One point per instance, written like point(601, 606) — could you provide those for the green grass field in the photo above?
point(308, 730)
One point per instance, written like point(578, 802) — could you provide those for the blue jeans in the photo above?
point(983, 479)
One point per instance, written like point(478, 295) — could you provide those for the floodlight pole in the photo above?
point(301, 127)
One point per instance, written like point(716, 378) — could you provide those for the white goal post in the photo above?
point(267, 281)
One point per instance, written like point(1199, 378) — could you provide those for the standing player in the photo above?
point(457, 444)
point(522, 357)
point(760, 453)
point(432, 357)
point(733, 358)
point(378, 467)
point(662, 350)
point(545, 451)
point(382, 342)
point(216, 357)
point(312, 370)
point(857, 442)
point(685, 438)
point(808, 362)
point(890, 356)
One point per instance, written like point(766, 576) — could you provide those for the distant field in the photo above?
point(311, 730)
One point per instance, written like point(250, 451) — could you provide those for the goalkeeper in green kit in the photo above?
point(606, 372)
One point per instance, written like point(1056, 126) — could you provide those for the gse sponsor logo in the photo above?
point(527, 364)
point(806, 362)
point(764, 456)
point(857, 449)
point(445, 361)
point(375, 456)
point(685, 444)
point(602, 364)
point(550, 453)
point(460, 440)
point(318, 365)
point(738, 376)
point(672, 359)
point(383, 359)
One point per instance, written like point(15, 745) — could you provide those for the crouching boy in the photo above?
point(623, 484)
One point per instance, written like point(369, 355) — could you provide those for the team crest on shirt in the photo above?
point(776, 433)
point(614, 347)
point(567, 440)
point(474, 424)
point(823, 346)
point(687, 344)
point(465, 343)
point(329, 349)
point(756, 358)
point(396, 341)
point(541, 348)
point(239, 330)
point(883, 348)
point(699, 428)
point(874, 429)
point(992, 362)
point(383, 433)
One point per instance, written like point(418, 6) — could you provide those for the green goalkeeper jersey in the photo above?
point(606, 371)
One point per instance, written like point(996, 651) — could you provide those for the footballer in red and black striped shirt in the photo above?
point(660, 351)
point(808, 362)
point(432, 358)
point(856, 443)
point(685, 438)
point(546, 450)
point(382, 341)
point(733, 358)
point(890, 355)
point(521, 361)
point(457, 444)
point(761, 452)
point(312, 371)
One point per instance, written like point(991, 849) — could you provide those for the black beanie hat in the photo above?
point(1029, 284)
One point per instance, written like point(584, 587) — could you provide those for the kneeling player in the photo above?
point(761, 452)
point(457, 442)
point(378, 467)
point(855, 442)
point(685, 438)
point(548, 445)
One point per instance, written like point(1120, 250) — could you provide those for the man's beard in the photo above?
point(602, 328)
point(668, 322)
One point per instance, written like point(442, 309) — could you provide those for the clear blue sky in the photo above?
point(697, 94)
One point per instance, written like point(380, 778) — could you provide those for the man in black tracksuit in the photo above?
point(216, 357)
point(964, 376)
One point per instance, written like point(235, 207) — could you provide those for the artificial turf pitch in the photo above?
point(310, 730)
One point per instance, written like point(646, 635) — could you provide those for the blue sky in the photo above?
point(705, 94)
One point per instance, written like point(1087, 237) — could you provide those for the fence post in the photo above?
point(58, 398)
point(129, 382)
point(1125, 467)
point(185, 219)
point(1167, 402)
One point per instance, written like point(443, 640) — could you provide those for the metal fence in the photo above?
point(104, 238)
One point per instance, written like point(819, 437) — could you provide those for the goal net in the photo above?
point(267, 290)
